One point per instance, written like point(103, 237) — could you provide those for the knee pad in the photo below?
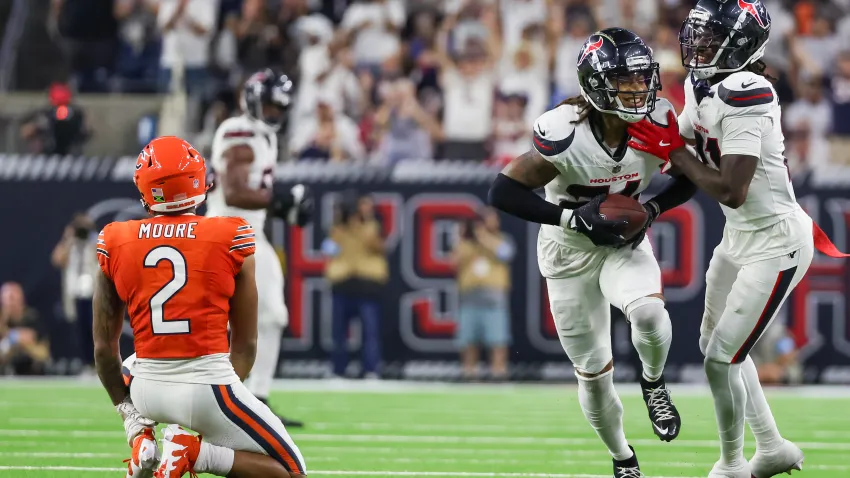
point(647, 313)
point(595, 377)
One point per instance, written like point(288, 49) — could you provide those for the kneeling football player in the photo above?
point(184, 279)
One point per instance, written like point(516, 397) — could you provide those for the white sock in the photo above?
point(730, 400)
point(758, 414)
point(217, 460)
point(652, 334)
point(604, 411)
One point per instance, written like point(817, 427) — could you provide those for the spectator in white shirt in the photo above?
point(808, 120)
point(327, 135)
point(565, 76)
point(468, 81)
point(187, 28)
point(374, 26)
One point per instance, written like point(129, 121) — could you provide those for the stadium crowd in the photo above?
point(386, 80)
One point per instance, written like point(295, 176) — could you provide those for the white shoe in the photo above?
point(783, 459)
point(144, 457)
point(727, 470)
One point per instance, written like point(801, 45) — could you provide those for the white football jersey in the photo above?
point(587, 167)
point(243, 130)
point(740, 115)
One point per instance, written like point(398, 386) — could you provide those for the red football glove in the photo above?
point(657, 140)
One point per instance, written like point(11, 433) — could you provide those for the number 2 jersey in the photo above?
point(741, 115)
point(243, 131)
point(587, 167)
point(177, 275)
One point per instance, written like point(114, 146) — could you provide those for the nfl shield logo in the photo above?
point(617, 169)
point(158, 196)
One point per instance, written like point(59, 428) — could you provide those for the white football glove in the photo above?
point(134, 422)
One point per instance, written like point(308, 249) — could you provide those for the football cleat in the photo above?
point(179, 452)
point(628, 468)
point(783, 459)
point(144, 457)
point(665, 419)
point(722, 469)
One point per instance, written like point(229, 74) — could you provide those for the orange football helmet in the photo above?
point(170, 175)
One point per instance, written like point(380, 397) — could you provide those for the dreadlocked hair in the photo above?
point(758, 68)
point(584, 107)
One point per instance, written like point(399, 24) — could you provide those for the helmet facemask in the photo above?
point(630, 92)
point(709, 48)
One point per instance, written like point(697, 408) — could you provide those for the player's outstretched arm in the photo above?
point(234, 180)
point(513, 190)
point(243, 320)
point(108, 321)
point(728, 185)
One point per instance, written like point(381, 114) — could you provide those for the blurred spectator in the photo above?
point(357, 270)
point(24, 348)
point(511, 133)
point(468, 81)
point(808, 122)
point(138, 60)
point(840, 142)
point(775, 356)
point(517, 16)
point(404, 130)
point(326, 70)
point(524, 70)
point(326, 135)
point(638, 16)
point(74, 255)
point(187, 28)
point(265, 41)
point(89, 39)
point(373, 27)
point(782, 35)
point(816, 51)
point(568, 48)
point(483, 281)
point(60, 128)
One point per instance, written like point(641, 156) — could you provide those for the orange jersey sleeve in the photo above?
point(243, 244)
point(177, 274)
point(103, 252)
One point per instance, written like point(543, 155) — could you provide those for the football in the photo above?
point(617, 206)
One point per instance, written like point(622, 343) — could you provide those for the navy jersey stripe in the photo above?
point(551, 148)
point(741, 99)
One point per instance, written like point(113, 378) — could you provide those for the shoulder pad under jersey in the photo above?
point(659, 114)
point(745, 93)
point(553, 132)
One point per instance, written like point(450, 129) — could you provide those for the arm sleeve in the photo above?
point(518, 200)
point(242, 243)
point(742, 135)
point(676, 194)
point(686, 128)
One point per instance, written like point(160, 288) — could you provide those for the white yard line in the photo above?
point(401, 386)
point(366, 438)
point(348, 473)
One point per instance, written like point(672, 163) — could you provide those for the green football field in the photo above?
point(69, 429)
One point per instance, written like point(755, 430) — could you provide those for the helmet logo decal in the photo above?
point(158, 195)
point(591, 47)
point(750, 8)
point(195, 184)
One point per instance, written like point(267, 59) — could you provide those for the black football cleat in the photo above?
point(665, 419)
point(628, 468)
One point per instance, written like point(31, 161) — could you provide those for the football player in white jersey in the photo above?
point(244, 154)
point(732, 117)
point(580, 155)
